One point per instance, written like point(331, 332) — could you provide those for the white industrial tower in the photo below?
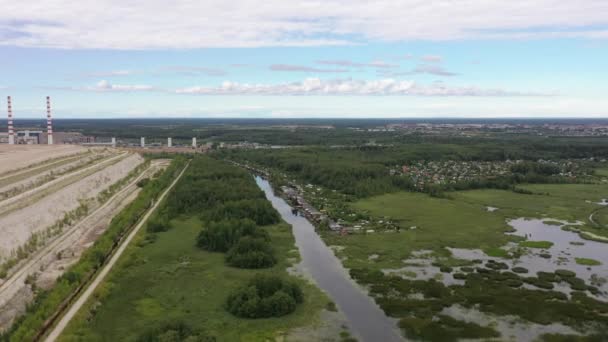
point(11, 132)
point(49, 121)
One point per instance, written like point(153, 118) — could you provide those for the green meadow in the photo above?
point(167, 278)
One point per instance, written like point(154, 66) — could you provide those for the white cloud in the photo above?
point(105, 86)
point(157, 24)
point(316, 86)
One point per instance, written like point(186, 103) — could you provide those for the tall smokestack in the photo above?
point(49, 121)
point(11, 132)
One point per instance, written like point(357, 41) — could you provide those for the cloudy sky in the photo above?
point(293, 58)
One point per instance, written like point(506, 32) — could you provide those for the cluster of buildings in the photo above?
point(425, 173)
point(546, 129)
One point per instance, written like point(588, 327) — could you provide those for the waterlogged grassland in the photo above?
point(572, 202)
point(462, 221)
point(438, 223)
point(171, 279)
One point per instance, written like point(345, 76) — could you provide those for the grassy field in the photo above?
point(557, 201)
point(602, 172)
point(439, 223)
point(171, 279)
point(463, 221)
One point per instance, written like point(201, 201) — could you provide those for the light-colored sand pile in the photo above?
point(13, 157)
point(17, 227)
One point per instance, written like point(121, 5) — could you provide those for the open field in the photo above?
point(429, 223)
point(572, 202)
point(199, 283)
point(426, 223)
point(18, 157)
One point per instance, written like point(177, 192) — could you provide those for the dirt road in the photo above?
point(60, 326)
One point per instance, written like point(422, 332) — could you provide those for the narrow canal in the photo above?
point(366, 320)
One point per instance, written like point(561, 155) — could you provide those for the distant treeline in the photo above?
point(363, 172)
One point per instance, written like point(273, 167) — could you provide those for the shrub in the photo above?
point(519, 269)
point(173, 332)
point(157, 227)
point(250, 252)
point(258, 210)
point(221, 236)
point(461, 276)
point(142, 182)
point(445, 269)
point(565, 273)
point(265, 296)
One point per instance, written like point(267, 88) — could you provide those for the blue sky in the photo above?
point(337, 58)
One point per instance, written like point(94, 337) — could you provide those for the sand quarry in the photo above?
point(45, 183)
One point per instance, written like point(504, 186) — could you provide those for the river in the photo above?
point(365, 318)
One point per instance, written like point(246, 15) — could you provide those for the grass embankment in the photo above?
point(47, 303)
point(165, 277)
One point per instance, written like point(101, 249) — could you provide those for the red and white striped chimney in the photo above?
point(49, 121)
point(11, 132)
